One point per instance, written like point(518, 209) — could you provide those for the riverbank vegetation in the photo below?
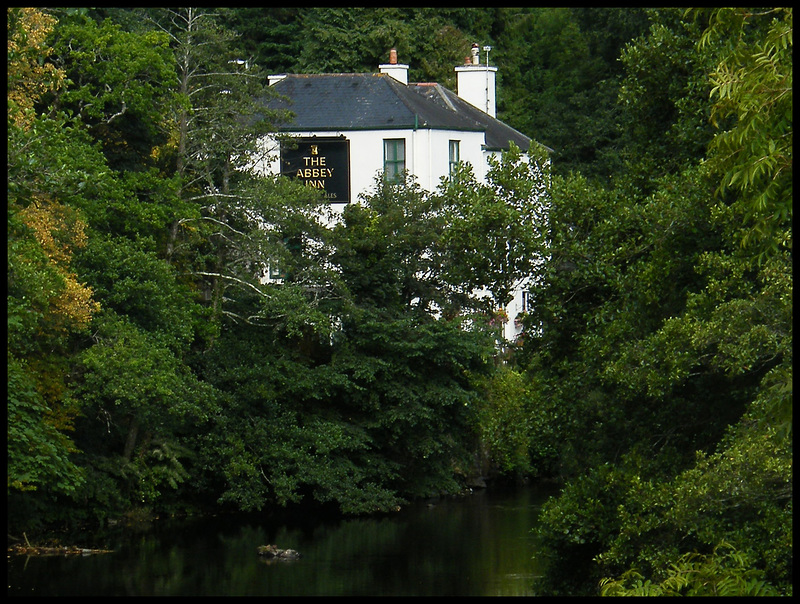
point(151, 369)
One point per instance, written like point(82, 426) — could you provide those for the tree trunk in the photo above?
point(130, 443)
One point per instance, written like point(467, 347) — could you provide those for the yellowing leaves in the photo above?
point(58, 232)
point(29, 77)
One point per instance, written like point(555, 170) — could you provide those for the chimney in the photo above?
point(476, 82)
point(394, 69)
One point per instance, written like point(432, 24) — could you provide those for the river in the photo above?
point(477, 545)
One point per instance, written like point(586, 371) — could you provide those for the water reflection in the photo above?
point(478, 545)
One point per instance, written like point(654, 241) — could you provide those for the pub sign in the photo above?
point(320, 162)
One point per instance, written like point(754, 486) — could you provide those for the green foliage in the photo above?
point(39, 455)
point(740, 493)
point(411, 385)
point(664, 98)
point(623, 519)
point(724, 573)
point(505, 421)
point(130, 372)
point(272, 37)
point(139, 400)
point(55, 158)
point(133, 282)
point(559, 80)
point(655, 373)
point(121, 84)
point(387, 248)
point(99, 392)
point(47, 303)
point(495, 232)
point(575, 526)
point(278, 436)
point(371, 410)
point(659, 336)
point(753, 84)
point(618, 275)
point(430, 40)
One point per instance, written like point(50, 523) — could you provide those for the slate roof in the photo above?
point(333, 102)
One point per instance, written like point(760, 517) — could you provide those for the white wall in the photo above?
point(427, 157)
point(476, 85)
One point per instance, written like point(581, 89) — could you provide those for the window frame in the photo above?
point(394, 167)
point(526, 301)
point(454, 158)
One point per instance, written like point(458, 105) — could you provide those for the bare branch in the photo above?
point(118, 113)
point(235, 280)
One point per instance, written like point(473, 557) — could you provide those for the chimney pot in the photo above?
point(394, 69)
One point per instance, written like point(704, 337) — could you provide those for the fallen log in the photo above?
point(72, 550)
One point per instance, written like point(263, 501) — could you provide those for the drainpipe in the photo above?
point(480, 94)
point(430, 161)
point(486, 50)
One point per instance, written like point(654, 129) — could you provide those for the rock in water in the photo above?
point(289, 554)
point(272, 551)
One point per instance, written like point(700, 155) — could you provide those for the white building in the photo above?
point(350, 128)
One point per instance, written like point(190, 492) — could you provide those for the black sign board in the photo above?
point(319, 162)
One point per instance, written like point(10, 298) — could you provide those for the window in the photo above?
point(394, 158)
point(277, 270)
point(455, 156)
point(527, 301)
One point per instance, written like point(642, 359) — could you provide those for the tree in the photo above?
point(78, 232)
point(664, 100)
point(145, 398)
point(495, 233)
point(29, 76)
point(47, 302)
point(676, 340)
point(376, 409)
point(234, 223)
point(754, 86)
point(431, 40)
point(121, 85)
point(387, 250)
point(560, 78)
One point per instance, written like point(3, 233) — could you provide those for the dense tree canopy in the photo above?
point(664, 349)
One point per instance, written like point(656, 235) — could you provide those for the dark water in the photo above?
point(479, 545)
